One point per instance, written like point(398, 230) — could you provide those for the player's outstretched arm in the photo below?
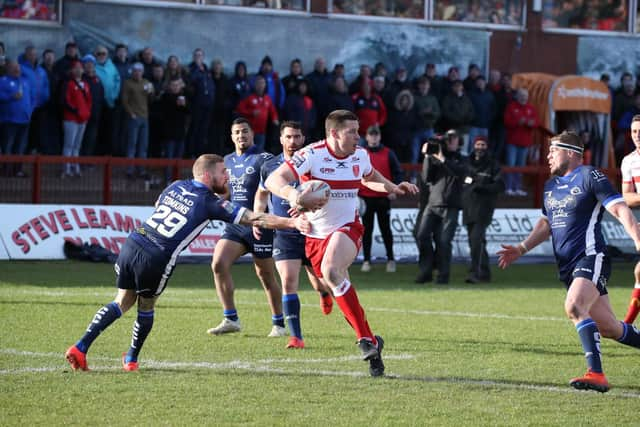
point(630, 196)
point(622, 212)
point(265, 220)
point(260, 204)
point(377, 182)
point(278, 183)
point(509, 253)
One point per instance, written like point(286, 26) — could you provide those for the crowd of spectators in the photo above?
point(604, 15)
point(136, 105)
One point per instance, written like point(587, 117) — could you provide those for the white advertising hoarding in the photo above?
point(39, 231)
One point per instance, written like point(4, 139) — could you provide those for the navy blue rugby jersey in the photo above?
point(280, 206)
point(244, 174)
point(574, 205)
point(182, 211)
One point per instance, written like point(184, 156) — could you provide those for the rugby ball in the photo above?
point(319, 190)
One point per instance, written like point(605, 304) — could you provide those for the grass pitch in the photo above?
point(497, 354)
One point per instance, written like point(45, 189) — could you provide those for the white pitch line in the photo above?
point(172, 298)
point(264, 366)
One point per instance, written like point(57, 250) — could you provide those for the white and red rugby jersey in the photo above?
point(630, 168)
point(343, 174)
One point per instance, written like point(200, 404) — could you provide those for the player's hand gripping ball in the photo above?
point(312, 195)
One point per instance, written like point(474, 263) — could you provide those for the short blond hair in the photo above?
point(205, 162)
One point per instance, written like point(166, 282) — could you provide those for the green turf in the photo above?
point(498, 354)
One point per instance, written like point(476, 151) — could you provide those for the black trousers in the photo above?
point(437, 226)
point(380, 207)
point(478, 248)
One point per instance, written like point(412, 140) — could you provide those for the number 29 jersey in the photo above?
point(343, 174)
point(182, 211)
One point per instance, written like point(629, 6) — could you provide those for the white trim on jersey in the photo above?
point(174, 256)
point(597, 268)
point(613, 201)
point(590, 235)
point(238, 217)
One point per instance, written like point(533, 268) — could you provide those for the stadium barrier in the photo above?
point(104, 180)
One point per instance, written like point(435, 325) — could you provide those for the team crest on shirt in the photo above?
point(249, 170)
point(575, 190)
point(356, 170)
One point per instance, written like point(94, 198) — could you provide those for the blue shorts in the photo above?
point(288, 245)
point(596, 268)
point(244, 234)
point(142, 269)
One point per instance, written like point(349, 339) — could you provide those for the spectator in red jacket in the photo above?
point(379, 204)
point(369, 108)
point(76, 103)
point(258, 109)
point(520, 119)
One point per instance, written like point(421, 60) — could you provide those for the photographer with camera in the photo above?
point(443, 170)
point(482, 185)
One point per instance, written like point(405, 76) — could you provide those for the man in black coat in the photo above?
point(482, 185)
point(443, 171)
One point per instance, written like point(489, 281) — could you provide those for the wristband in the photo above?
point(522, 248)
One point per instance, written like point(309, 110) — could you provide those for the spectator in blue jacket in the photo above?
point(36, 75)
point(484, 106)
point(275, 88)
point(201, 88)
point(110, 80)
point(16, 106)
point(39, 83)
point(108, 74)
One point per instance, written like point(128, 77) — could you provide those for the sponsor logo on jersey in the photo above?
point(327, 171)
point(185, 192)
point(343, 194)
point(327, 160)
point(355, 159)
point(341, 165)
point(297, 160)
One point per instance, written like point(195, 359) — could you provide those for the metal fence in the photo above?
point(105, 181)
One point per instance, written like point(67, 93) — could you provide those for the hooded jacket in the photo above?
point(38, 81)
point(110, 78)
